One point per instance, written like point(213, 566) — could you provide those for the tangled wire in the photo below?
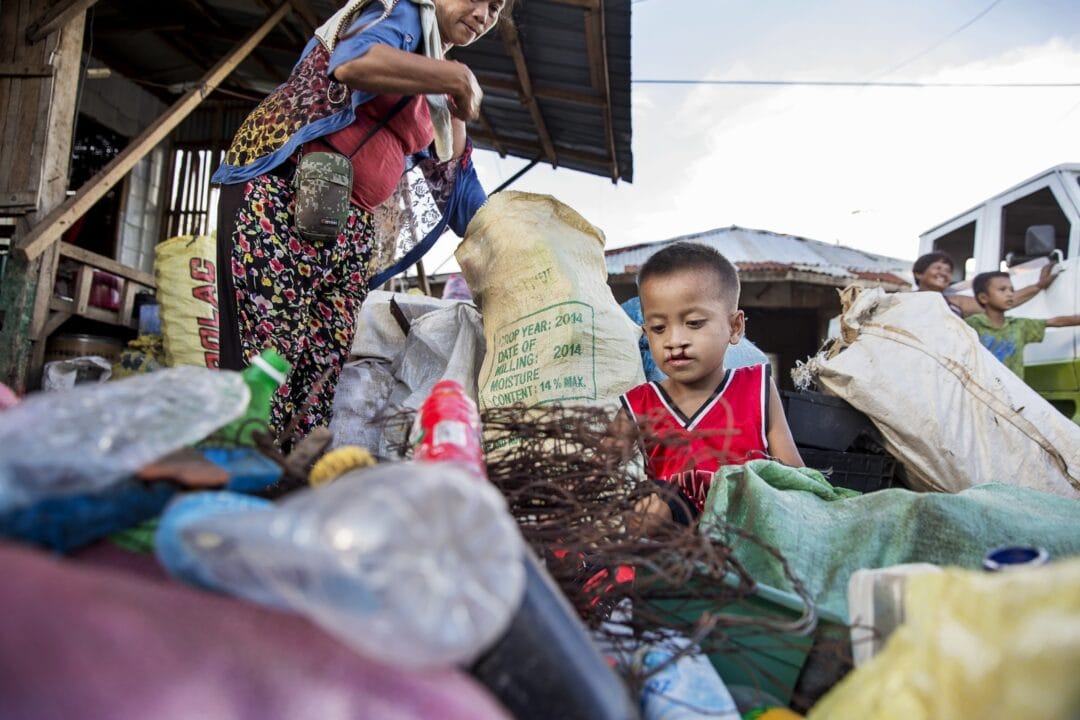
point(580, 503)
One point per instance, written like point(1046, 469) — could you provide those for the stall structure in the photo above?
point(114, 115)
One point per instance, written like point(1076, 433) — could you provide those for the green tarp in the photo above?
point(827, 533)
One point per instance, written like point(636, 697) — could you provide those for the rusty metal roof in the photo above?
point(761, 251)
point(556, 81)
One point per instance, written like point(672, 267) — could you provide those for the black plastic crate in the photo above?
point(823, 421)
point(864, 472)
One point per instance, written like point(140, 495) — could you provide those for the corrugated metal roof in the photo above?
point(761, 250)
point(568, 90)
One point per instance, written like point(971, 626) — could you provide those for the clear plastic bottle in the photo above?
point(417, 564)
point(92, 436)
point(267, 372)
point(686, 689)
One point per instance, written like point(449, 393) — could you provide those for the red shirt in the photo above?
point(729, 429)
point(378, 165)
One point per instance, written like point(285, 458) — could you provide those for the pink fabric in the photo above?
point(80, 639)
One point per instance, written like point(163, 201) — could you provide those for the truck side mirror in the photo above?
point(1039, 240)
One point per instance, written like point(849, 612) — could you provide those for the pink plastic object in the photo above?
point(449, 428)
point(105, 291)
point(8, 399)
point(131, 646)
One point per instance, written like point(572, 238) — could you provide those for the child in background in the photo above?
point(1006, 337)
point(702, 416)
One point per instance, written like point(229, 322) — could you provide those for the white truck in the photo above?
point(1019, 231)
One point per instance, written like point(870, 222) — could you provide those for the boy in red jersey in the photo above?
point(703, 415)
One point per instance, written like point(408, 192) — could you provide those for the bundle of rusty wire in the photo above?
point(570, 480)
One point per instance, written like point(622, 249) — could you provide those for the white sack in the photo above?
point(949, 411)
point(378, 332)
point(554, 332)
point(445, 341)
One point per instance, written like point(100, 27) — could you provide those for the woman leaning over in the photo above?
point(373, 84)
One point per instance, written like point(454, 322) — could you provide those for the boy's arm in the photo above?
point(1046, 277)
point(967, 305)
point(651, 512)
point(1063, 321)
point(781, 444)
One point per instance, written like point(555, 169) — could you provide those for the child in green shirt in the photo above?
point(1006, 337)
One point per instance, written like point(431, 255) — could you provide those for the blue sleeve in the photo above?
point(400, 30)
point(469, 198)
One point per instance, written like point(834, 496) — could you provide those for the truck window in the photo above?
point(1038, 208)
point(960, 246)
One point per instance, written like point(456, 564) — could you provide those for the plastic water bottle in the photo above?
point(91, 437)
point(447, 429)
point(264, 376)
point(686, 689)
point(416, 564)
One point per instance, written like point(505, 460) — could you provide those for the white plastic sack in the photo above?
point(362, 393)
point(378, 333)
point(949, 411)
point(445, 341)
point(554, 332)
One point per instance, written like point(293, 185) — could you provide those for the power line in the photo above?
point(939, 43)
point(859, 83)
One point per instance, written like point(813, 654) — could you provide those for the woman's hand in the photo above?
point(465, 102)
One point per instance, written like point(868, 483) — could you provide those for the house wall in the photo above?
point(127, 109)
point(119, 104)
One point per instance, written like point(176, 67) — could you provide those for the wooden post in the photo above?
point(49, 230)
point(37, 116)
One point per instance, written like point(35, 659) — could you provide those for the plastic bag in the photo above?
point(66, 374)
point(92, 436)
point(553, 330)
point(186, 272)
point(974, 645)
point(948, 410)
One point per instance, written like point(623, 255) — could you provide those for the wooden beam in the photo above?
point(532, 150)
point(547, 92)
point(56, 16)
point(293, 35)
point(596, 46)
point(56, 319)
point(49, 230)
point(23, 70)
point(107, 264)
point(308, 19)
point(512, 43)
point(204, 9)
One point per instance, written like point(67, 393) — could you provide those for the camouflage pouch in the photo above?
point(322, 184)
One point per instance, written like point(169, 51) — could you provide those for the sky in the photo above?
point(866, 167)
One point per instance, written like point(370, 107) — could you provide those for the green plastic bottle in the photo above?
point(264, 376)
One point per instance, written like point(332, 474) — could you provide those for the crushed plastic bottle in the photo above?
point(687, 688)
point(93, 436)
point(415, 564)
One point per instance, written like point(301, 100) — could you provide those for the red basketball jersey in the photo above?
point(729, 429)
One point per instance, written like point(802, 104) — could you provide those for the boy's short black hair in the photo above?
point(929, 259)
point(684, 256)
point(981, 282)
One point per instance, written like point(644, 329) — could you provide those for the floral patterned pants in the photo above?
point(297, 297)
